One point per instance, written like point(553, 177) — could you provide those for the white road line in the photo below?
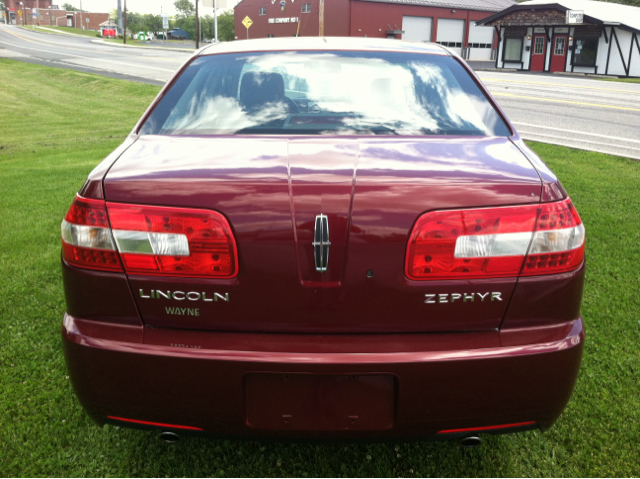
point(568, 85)
point(571, 140)
point(88, 58)
point(574, 131)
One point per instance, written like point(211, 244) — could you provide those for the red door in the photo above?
point(539, 53)
point(559, 53)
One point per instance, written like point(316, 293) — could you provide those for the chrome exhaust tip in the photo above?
point(168, 437)
point(470, 441)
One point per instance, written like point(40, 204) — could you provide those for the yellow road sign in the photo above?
point(19, 13)
point(247, 22)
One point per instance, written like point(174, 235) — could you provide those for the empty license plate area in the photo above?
point(319, 402)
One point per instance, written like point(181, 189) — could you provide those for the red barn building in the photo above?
point(448, 22)
point(44, 13)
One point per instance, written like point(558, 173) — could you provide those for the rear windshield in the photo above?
point(325, 93)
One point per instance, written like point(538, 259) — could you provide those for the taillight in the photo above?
point(151, 240)
point(173, 241)
point(86, 238)
point(496, 242)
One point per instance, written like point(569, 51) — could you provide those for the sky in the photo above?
point(138, 6)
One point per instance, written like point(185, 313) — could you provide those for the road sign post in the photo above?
point(247, 22)
point(165, 26)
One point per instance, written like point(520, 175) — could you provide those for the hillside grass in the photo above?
point(621, 80)
point(75, 31)
point(58, 124)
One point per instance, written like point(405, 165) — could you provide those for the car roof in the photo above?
point(324, 44)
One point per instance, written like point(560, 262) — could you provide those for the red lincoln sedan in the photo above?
point(330, 238)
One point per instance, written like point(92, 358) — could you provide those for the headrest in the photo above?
point(260, 88)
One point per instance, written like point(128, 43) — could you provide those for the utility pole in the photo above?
point(321, 19)
point(38, 12)
point(81, 24)
point(119, 16)
point(124, 34)
point(215, 19)
point(197, 27)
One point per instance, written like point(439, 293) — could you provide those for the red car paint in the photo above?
point(286, 351)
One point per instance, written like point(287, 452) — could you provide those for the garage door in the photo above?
point(451, 34)
point(480, 42)
point(416, 29)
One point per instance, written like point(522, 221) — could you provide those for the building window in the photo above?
point(270, 36)
point(306, 8)
point(512, 50)
point(263, 10)
point(584, 51)
point(538, 48)
point(560, 44)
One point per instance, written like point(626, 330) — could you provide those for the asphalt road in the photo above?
point(571, 111)
point(79, 53)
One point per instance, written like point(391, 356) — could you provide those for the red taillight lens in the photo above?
point(150, 239)
point(86, 238)
point(488, 428)
point(556, 224)
point(88, 212)
point(493, 242)
point(173, 241)
point(157, 424)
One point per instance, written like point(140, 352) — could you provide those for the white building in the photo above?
point(569, 35)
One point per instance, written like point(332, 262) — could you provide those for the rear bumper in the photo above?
point(427, 384)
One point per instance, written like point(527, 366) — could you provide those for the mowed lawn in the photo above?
point(56, 125)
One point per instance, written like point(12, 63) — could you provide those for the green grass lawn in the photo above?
point(75, 31)
point(623, 80)
point(56, 125)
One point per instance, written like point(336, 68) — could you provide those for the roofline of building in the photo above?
point(444, 5)
point(519, 7)
point(417, 4)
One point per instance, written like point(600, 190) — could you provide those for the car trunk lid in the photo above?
point(370, 190)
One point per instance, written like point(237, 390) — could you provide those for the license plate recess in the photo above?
point(319, 402)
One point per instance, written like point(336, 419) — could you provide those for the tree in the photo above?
point(153, 23)
point(188, 24)
point(207, 25)
point(137, 22)
point(69, 8)
point(185, 8)
point(633, 3)
point(226, 26)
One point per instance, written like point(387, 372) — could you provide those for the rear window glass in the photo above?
point(325, 93)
